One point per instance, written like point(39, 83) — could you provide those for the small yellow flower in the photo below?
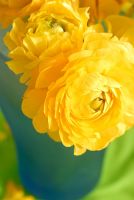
point(93, 102)
point(10, 9)
point(2, 136)
point(46, 39)
point(16, 193)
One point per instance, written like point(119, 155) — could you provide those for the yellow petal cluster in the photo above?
point(44, 41)
point(78, 67)
point(10, 9)
point(93, 102)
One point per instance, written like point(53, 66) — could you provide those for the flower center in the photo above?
point(45, 24)
point(98, 103)
point(52, 23)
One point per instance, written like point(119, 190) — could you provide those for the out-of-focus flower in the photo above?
point(10, 9)
point(120, 26)
point(16, 193)
point(2, 136)
point(93, 103)
point(100, 9)
point(46, 39)
point(128, 8)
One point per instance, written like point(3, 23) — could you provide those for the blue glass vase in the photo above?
point(47, 169)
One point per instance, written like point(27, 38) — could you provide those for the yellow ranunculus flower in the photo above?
point(93, 102)
point(46, 39)
point(10, 9)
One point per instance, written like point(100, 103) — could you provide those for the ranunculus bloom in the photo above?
point(46, 39)
point(10, 9)
point(93, 102)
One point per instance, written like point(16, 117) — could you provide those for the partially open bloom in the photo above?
point(93, 102)
point(10, 9)
point(120, 26)
point(46, 39)
point(100, 9)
